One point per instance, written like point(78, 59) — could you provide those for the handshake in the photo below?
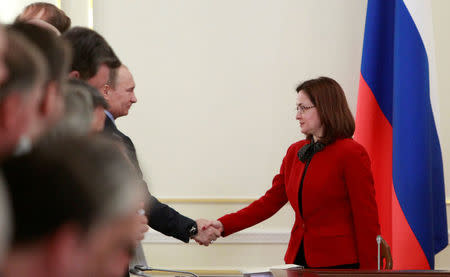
point(208, 231)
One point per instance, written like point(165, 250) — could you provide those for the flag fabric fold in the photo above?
point(396, 121)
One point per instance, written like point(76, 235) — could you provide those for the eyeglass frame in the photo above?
point(302, 109)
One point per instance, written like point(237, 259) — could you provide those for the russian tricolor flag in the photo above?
point(397, 122)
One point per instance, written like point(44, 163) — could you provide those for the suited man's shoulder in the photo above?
point(110, 126)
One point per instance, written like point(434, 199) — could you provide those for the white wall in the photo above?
point(80, 12)
point(215, 84)
point(216, 79)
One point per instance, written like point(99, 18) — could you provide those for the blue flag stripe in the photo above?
point(378, 53)
point(417, 161)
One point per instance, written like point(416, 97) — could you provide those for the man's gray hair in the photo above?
point(78, 114)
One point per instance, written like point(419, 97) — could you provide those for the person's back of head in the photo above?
point(57, 53)
point(47, 12)
point(44, 25)
point(98, 101)
point(56, 50)
point(90, 51)
point(25, 63)
point(21, 91)
point(61, 195)
point(97, 98)
point(78, 114)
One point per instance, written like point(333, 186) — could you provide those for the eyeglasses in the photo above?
point(302, 109)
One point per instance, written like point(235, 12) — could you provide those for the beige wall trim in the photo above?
point(244, 237)
point(203, 200)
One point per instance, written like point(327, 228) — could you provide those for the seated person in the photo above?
point(98, 102)
point(57, 54)
point(79, 110)
point(20, 94)
point(74, 204)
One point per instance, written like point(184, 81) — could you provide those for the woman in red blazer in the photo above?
point(328, 182)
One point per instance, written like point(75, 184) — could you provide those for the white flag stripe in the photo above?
point(421, 13)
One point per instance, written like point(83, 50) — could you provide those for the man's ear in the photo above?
point(74, 74)
point(50, 103)
point(106, 91)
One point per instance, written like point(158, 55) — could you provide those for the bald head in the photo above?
point(45, 25)
point(48, 13)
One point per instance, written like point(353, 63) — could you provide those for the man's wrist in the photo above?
point(193, 231)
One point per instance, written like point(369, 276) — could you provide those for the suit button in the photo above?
point(303, 225)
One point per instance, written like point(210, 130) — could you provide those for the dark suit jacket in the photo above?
point(340, 218)
point(161, 217)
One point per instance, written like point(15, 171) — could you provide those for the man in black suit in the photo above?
point(119, 94)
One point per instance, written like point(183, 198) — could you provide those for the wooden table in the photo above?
point(356, 273)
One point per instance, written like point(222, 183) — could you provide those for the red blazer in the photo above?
point(340, 217)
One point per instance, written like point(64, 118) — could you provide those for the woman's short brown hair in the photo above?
point(329, 99)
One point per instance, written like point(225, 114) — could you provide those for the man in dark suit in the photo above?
point(119, 94)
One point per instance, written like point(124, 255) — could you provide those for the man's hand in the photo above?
point(208, 231)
